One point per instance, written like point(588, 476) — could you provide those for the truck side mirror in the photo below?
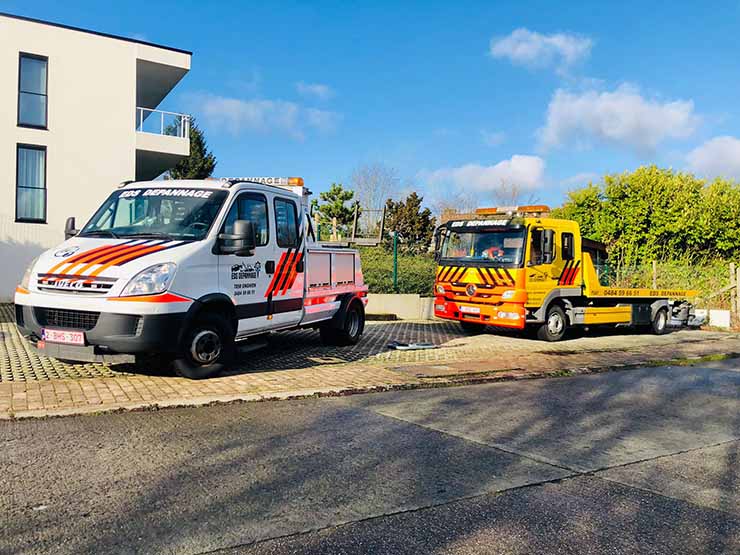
point(438, 243)
point(548, 246)
point(246, 242)
point(69, 228)
point(242, 240)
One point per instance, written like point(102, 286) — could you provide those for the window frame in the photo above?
point(297, 241)
point(22, 55)
point(257, 196)
point(41, 148)
point(572, 246)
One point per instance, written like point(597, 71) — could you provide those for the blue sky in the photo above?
point(456, 96)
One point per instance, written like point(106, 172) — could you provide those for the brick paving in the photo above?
point(296, 364)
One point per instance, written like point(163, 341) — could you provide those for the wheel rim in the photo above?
point(660, 321)
point(205, 347)
point(353, 323)
point(555, 324)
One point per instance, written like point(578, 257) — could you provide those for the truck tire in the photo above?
point(660, 322)
point(555, 325)
point(472, 328)
point(349, 331)
point(207, 347)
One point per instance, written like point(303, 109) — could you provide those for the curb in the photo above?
point(515, 374)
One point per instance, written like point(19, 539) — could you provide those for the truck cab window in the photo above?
point(567, 246)
point(253, 208)
point(535, 247)
point(286, 223)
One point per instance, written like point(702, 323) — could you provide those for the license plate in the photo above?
point(470, 309)
point(61, 336)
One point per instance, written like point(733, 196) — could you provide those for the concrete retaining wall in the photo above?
point(404, 307)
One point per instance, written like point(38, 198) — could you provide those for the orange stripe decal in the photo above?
point(126, 257)
point(276, 274)
point(21, 290)
point(293, 274)
point(161, 298)
point(282, 287)
point(100, 257)
point(78, 257)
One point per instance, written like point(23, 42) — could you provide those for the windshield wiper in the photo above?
point(100, 232)
point(150, 235)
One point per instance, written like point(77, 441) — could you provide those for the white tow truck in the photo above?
point(187, 268)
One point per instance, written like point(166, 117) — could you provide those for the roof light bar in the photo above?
point(277, 181)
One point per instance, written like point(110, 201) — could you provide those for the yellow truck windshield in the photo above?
point(504, 247)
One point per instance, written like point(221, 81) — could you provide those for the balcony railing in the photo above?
point(162, 123)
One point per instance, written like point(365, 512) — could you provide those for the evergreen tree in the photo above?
point(200, 163)
point(415, 227)
point(334, 205)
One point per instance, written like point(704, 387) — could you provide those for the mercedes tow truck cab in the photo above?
point(186, 268)
point(518, 268)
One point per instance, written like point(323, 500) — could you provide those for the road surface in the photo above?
point(637, 461)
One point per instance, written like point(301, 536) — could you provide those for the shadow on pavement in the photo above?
point(190, 481)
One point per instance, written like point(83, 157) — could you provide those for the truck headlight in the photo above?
point(26, 281)
point(440, 289)
point(508, 294)
point(155, 279)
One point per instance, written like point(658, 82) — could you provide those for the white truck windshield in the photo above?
point(181, 214)
point(504, 247)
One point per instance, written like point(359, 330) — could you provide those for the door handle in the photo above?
point(270, 266)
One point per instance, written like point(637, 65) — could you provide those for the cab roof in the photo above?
point(215, 184)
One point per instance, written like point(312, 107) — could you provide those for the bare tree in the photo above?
point(374, 184)
point(512, 194)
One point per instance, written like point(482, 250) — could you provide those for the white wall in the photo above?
point(91, 136)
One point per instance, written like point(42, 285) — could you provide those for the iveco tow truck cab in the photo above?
point(185, 268)
point(518, 268)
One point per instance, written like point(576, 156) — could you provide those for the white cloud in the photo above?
point(520, 170)
point(623, 117)
point(583, 178)
point(718, 157)
point(492, 138)
point(535, 50)
point(261, 115)
point(315, 90)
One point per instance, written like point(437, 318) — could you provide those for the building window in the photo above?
point(30, 192)
point(32, 84)
point(286, 223)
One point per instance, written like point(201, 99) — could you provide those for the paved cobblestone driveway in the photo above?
point(303, 349)
point(296, 364)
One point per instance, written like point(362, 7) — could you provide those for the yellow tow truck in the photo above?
point(518, 268)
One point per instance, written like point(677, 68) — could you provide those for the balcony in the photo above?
point(162, 140)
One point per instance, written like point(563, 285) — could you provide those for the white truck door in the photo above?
point(285, 292)
point(246, 278)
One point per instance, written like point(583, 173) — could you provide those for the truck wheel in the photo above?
point(660, 322)
point(349, 332)
point(555, 325)
point(206, 349)
point(472, 328)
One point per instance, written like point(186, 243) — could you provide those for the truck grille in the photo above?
point(67, 319)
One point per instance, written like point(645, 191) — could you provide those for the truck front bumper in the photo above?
point(107, 335)
point(506, 315)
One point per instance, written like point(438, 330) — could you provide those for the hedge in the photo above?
point(415, 273)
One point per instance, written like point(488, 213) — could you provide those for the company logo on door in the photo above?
point(245, 271)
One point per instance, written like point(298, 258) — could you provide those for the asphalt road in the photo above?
point(638, 461)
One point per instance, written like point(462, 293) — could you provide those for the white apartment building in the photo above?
point(79, 117)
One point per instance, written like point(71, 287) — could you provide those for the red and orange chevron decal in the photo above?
point(285, 273)
point(78, 267)
point(570, 272)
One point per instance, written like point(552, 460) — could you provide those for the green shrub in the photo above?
point(415, 273)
